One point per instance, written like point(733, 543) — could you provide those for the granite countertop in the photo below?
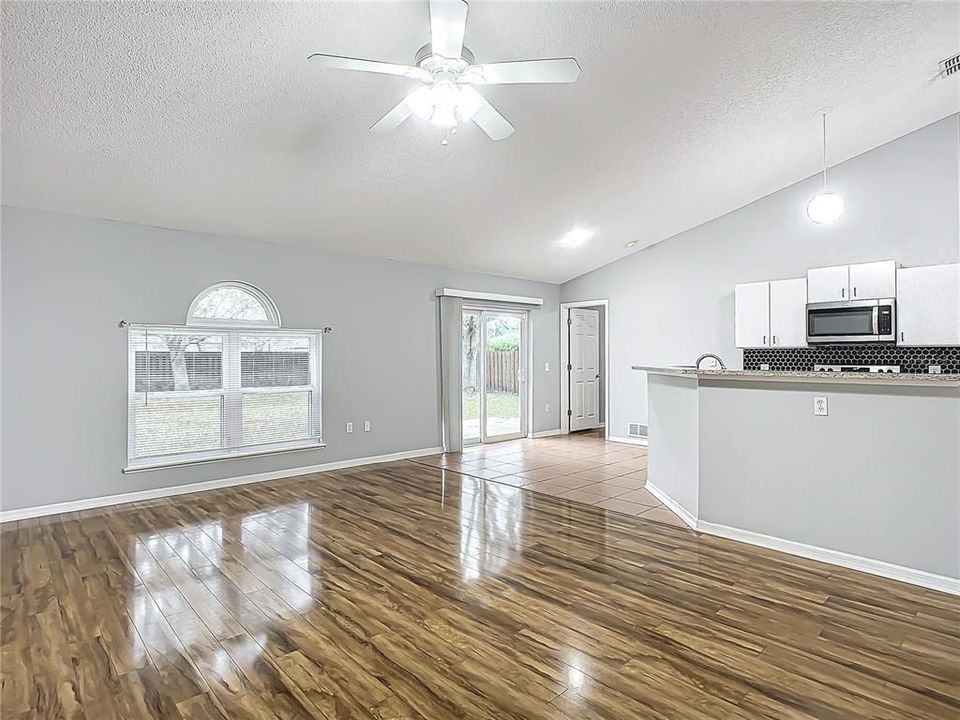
point(850, 378)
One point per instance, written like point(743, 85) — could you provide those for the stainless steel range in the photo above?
point(858, 368)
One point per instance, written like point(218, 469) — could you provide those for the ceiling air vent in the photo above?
point(950, 66)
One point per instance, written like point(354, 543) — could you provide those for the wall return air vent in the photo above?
point(636, 430)
point(950, 66)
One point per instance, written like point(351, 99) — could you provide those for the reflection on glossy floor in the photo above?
point(579, 467)
point(406, 591)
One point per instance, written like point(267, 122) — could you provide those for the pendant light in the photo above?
point(826, 207)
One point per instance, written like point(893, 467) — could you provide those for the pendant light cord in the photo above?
point(824, 116)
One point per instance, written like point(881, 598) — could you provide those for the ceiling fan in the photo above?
point(449, 73)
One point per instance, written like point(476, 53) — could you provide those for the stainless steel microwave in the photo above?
point(852, 321)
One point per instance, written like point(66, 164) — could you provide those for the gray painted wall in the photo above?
point(673, 301)
point(67, 281)
point(673, 461)
point(879, 477)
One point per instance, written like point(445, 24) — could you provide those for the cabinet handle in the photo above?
point(843, 292)
point(774, 339)
point(854, 290)
point(764, 339)
point(901, 336)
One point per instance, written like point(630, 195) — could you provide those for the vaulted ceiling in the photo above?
point(208, 117)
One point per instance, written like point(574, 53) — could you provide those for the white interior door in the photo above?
point(584, 369)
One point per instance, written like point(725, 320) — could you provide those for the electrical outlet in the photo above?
point(349, 427)
point(546, 367)
point(764, 366)
point(366, 426)
point(934, 369)
point(820, 406)
point(547, 408)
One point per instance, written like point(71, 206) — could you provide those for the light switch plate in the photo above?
point(366, 426)
point(546, 367)
point(546, 407)
point(350, 427)
point(820, 406)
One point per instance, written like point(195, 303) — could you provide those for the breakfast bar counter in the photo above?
point(857, 378)
point(858, 469)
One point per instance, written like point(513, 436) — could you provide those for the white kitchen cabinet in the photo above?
point(752, 315)
point(862, 281)
point(928, 305)
point(828, 284)
point(788, 313)
point(873, 280)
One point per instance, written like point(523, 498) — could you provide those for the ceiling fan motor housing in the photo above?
point(425, 54)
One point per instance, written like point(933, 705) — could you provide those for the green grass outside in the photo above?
point(506, 405)
point(172, 425)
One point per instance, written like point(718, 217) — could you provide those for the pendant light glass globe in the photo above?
point(825, 208)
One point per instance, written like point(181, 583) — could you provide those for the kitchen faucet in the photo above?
point(710, 355)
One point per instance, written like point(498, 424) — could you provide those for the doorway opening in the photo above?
point(584, 365)
point(493, 375)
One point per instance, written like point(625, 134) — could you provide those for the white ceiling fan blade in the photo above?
point(392, 119)
point(338, 62)
point(490, 121)
point(448, 19)
point(554, 70)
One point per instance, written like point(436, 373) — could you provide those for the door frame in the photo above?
point(565, 361)
point(525, 389)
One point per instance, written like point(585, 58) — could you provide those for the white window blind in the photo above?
point(200, 393)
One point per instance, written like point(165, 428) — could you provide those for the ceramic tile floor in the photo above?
point(582, 467)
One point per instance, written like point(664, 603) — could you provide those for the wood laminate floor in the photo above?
point(404, 590)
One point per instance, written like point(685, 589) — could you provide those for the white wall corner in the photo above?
point(676, 508)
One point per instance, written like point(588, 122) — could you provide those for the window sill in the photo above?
point(160, 464)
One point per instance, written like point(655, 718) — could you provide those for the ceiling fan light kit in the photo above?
point(449, 72)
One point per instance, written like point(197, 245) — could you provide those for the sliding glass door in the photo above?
point(494, 375)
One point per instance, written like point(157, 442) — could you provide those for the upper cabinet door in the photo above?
point(788, 313)
point(828, 284)
point(752, 315)
point(928, 305)
point(873, 280)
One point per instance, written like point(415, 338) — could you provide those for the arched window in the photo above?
point(230, 382)
point(233, 303)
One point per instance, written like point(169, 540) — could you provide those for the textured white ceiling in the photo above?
point(207, 116)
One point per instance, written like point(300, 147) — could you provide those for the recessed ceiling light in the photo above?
point(576, 237)
point(631, 244)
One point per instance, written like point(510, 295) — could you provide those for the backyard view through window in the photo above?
point(491, 373)
point(199, 393)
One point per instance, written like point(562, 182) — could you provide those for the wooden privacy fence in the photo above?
point(502, 367)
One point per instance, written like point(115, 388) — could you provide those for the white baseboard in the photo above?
point(835, 557)
point(642, 442)
point(675, 507)
point(547, 433)
point(141, 495)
